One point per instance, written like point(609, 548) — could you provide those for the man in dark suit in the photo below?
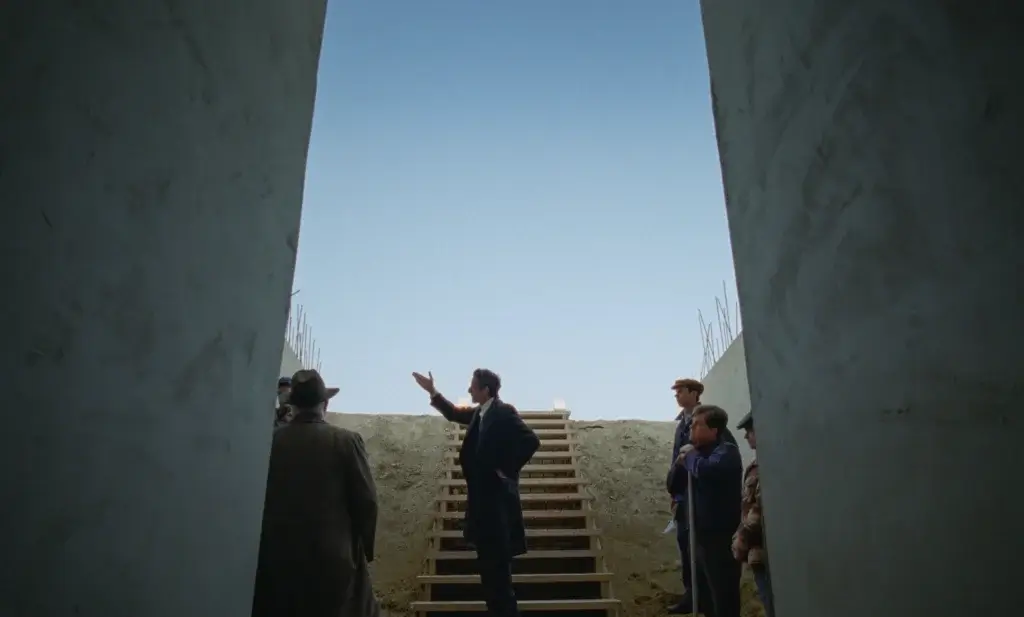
point(716, 467)
point(497, 446)
point(319, 515)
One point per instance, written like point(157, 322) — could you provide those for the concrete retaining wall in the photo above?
point(726, 385)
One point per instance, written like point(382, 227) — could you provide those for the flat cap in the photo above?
point(689, 384)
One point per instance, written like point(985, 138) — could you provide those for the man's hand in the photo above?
point(500, 474)
point(683, 452)
point(427, 383)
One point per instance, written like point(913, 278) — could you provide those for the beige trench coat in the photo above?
point(319, 524)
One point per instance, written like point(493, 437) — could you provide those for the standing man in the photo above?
point(717, 470)
point(283, 412)
point(748, 542)
point(497, 446)
point(319, 516)
point(687, 393)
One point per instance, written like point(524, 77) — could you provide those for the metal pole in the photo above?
point(691, 520)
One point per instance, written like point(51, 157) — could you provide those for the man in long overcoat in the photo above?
point(319, 518)
point(497, 446)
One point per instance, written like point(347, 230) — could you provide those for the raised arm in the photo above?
point(440, 403)
point(449, 411)
point(362, 493)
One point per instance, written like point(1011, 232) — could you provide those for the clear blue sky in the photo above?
point(527, 186)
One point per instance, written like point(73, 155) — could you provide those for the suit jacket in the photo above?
point(500, 441)
point(319, 525)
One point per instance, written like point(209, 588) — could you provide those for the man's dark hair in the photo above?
point(714, 416)
point(486, 378)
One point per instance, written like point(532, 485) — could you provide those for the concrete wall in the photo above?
point(289, 361)
point(725, 385)
point(868, 153)
point(152, 158)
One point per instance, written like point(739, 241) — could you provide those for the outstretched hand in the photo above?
point(425, 382)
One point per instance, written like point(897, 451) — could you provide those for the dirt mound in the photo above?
point(625, 461)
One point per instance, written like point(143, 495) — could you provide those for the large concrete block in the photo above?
point(152, 158)
point(868, 152)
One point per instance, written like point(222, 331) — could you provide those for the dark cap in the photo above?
point(746, 422)
point(689, 384)
point(284, 381)
point(309, 390)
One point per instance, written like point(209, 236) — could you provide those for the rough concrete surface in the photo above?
point(152, 156)
point(625, 461)
point(875, 218)
point(726, 385)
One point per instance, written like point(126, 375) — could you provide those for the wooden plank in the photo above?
point(564, 577)
point(528, 482)
point(577, 496)
point(536, 424)
point(541, 468)
point(524, 605)
point(539, 455)
point(573, 554)
point(541, 433)
point(527, 514)
point(545, 415)
point(530, 533)
point(544, 443)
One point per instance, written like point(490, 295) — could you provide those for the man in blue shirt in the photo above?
point(717, 470)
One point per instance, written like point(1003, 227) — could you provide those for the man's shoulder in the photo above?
point(339, 433)
point(750, 473)
point(728, 448)
point(347, 439)
point(320, 436)
point(321, 429)
point(500, 407)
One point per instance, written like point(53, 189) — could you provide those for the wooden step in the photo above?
point(527, 514)
point(544, 443)
point(543, 424)
point(545, 415)
point(569, 554)
point(543, 434)
point(531, 579)
point(577, 496)
point(524, 605)
point(528, 482)
point(541, 468)
point(456, 443)
point(540, 455)
point(530, 533)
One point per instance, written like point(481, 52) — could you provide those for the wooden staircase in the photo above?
point(563, 573)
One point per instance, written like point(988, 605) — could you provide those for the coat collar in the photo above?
point(308, 417)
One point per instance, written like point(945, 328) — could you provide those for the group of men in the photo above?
point(320, 511)
point(716, 506)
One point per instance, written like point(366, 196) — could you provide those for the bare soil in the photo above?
point(625, 461)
